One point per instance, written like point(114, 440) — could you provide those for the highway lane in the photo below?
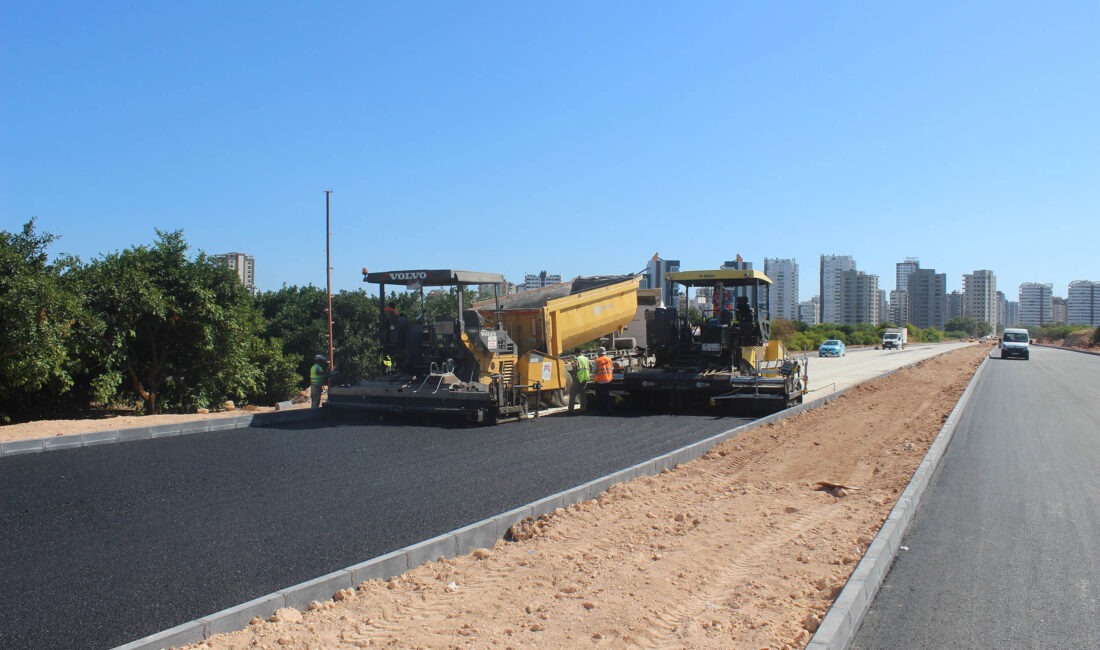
point(1004, 551)
point(103, 545)
point(832, 374)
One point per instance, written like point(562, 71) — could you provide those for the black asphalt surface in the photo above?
point(104, 545)
point(1004, 551)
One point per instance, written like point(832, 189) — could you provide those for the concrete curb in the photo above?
point(482, 534)
point(842, 622)
point(72, 441)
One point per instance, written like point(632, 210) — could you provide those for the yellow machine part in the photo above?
point(491, 363)
point(549, 372)
point(767, 360)
point(545, 333)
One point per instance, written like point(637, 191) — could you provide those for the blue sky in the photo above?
point(576, 138)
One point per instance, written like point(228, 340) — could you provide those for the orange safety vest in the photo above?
point(603, 370)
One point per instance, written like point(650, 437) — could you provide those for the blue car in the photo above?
point(831, 348)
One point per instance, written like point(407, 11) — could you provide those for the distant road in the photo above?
point(1004, 551)
point(830, 374)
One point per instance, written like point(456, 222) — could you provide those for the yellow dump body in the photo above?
point(548, 322)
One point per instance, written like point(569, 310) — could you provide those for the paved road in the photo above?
point(831, 374)
point(104, 545)
point(1004, 551)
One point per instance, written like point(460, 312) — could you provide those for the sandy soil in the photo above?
point(51, 428)
point(739, 549)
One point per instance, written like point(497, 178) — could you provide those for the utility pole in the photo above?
point(328, 278)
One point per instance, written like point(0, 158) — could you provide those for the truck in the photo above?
point(489, 361)
point(549, 322)
point(895, 338)
point(727, 359)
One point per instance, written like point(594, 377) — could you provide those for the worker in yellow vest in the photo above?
point(318, 377)
point(582, 374)
point(604, 375)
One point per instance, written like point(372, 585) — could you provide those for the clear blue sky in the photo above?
point(574, 137)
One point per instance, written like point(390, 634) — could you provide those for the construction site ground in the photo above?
point(739, 549)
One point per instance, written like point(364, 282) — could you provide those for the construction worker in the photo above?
point(582, 373)
point(603, 377)
point(318, 377)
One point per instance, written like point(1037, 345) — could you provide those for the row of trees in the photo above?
point(156, 328)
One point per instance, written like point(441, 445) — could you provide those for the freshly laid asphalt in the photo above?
point(1004, 551)
point(103, 545)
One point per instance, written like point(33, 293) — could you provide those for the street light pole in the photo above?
point(328, 278)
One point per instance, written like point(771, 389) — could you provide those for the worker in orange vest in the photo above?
point(603, 379)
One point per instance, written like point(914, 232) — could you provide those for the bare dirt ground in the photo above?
point(51, 428)
point(739, 549)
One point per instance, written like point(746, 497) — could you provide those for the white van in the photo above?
point(1016, 343)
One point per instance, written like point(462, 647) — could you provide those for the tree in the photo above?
point(179, 333)
point(296, 317)
point(38, 311)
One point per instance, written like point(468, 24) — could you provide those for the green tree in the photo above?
point(38, 314)
point(296, 316)
point(355, 334)
point(180, 333)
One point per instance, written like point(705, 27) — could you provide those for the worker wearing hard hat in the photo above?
point(318, 376)
point(604, 375)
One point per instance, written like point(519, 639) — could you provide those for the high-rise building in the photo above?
point(1011, 317)
point(1058, 310)
point(927, 298)
point(980, 296)
point(243, 265)
point(539, 280)
point(899, 307)
point(829, 299)
point(954, 305)
point(655, 278)
point(859, 298)
point(784, 292)
point(1036, 307)
point(807, 311)
point(1083, 303)
point(904, 270)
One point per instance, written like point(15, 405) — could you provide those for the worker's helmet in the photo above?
point(320, 357)
point(603, 350)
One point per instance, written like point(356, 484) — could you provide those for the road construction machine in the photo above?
point(491, 360)
point(550, 322)
point(454, 366)
point(727, 359)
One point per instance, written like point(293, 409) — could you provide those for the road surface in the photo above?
point(1004, 551)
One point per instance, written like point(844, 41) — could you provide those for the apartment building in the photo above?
point(1036, 306)
point(927, 298)
point(829, 298)
point(243, 265)
point(859, 298)
point(784, 292)
point(1083, 303)
point(980, 296)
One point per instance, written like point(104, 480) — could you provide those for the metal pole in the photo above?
point(328, 278)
